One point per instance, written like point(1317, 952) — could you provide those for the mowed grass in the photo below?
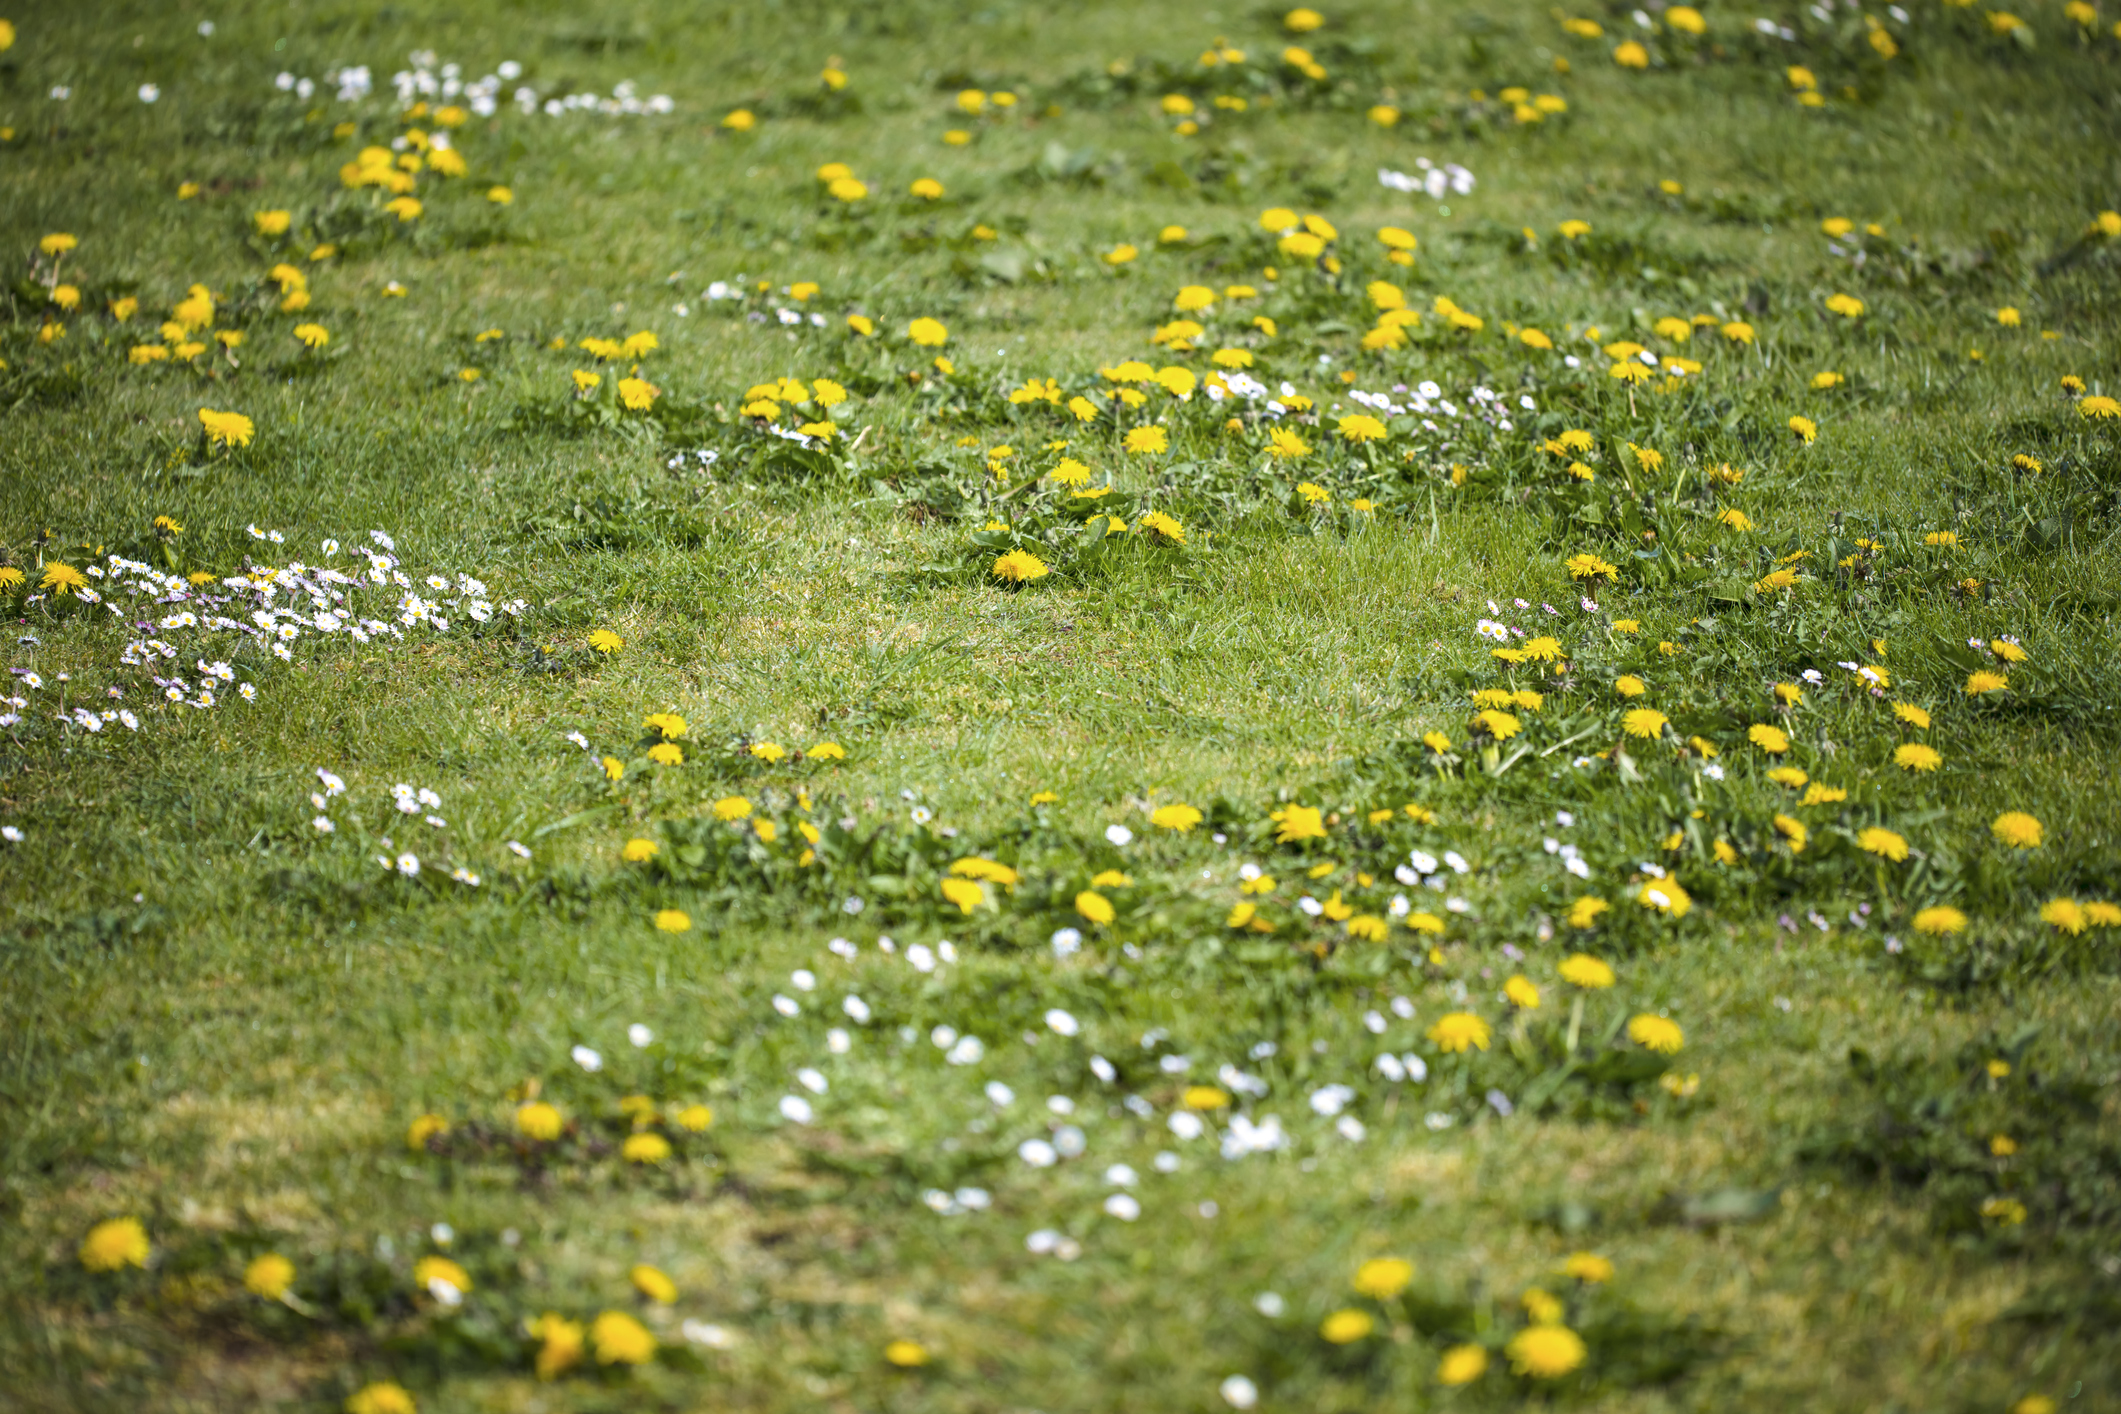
point(218, 1023)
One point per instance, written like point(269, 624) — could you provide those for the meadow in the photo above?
point(1011, 708)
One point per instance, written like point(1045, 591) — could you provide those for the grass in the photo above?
point(221, 1022)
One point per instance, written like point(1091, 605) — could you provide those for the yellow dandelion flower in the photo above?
point(538, 1120)
point(1645, 722)
point(1019, 567)
point(1382, 1278)
point(269, 1276)
point(1546, 1352)
point(2066, 915)
point(1772, 740)
point(114, 1244)
point(1094, 906)
point(620, 1339)
point(382, 1397)
point(1655, 1033)
point(1458, 1030)
point(1347, 1327)
point(2017, 829)
point(1461, 1365)
point(645, 1149)
point(1883, 843)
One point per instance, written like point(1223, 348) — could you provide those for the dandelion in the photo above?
point(1983, 682)
point(1807, 430)
point(653, 1284)
point(1347, 1327)
point(562, 1344)
point(2017, 829)
point(1499, 725)
point(1361, 427)
point(1666, 897)
point(1298, 822)
point(928, 333)
point(114, 1244)
point(382, 1397)
point(227, 429)
point(269, 1276)
point(1546, 1352)
point(539, 1121)
point(1915, 756)
point(1094, 906)
point(1644, 722)
point(604, 641)
point(1940, 919)
point(1147, 440)
point(906, 1354)
point(1382, 1278)
point(645, 1149)
point(1772, 740)
point(1176, 818)
point(621, 1340)
point(2100, 407)
point(1655, 1033)
point(429, 1270)
point(1019, 567)
point(1883, 843)
point(1455, 1032)
point(2065, 915)
point(61, 579)
point(1286, 445)
point(271, 223)
point(1461, 1365)
point(1521, 993)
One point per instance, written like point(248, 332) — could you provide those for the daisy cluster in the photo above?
point(426, 78)
point(189, 627)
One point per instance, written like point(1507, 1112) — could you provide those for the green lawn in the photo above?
point(1078, 899)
